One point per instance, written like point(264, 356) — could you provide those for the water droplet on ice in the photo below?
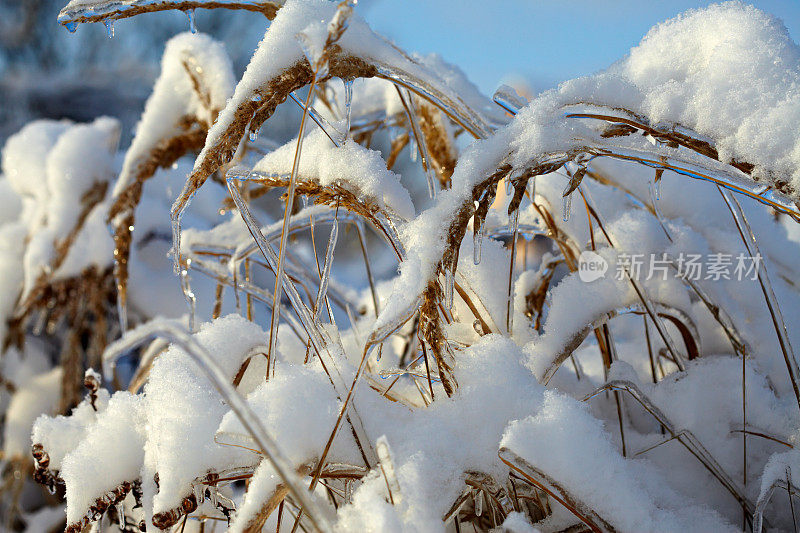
point(72, 26)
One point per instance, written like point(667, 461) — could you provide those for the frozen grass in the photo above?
point(379, 320)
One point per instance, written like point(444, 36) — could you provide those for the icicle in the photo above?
point(478, 497)
point(477, 243)
point(348, 101)
point(657, 186)
point(567, 208)
point(253, 136)
point(513, 223)
point(71, 26)
point(199, 493)
point(348, 488)
point(413, 150)
point(532, 188)
point(304, 199)
point(121, 514)
point(509, 187)
point(109, 24)
point(122, 311)
point(326, 269)
point(449, 282)
point(190, 16)
point(214, 496)
point(176, 242)
point(191, 300)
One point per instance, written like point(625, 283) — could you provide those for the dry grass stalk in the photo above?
point(438, 139)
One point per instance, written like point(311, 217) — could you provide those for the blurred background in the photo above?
point(532, 44)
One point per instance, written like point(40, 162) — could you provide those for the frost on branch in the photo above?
point(460, 370)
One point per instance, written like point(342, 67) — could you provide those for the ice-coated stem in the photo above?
point(330, 131)
point(363, 242)
point(751, 244)
point(326, 269)
point(684, 436)
point(276, 295)
point(408, 103)
point(640, 292)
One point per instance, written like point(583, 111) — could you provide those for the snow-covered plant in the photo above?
point(325, 348)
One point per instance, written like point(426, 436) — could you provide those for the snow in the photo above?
point(181, 398)
point(174, 97)
point(563, 440)
point(301, 407)
point(38, 395)
point(24, 163)
point(360, 170)
point(90, 471)
point(65, 162)
point(59, 435)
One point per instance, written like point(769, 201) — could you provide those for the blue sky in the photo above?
point(541, 41)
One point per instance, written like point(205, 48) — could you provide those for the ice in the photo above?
point(190, 16)
point(348, 103)
point(566, 209)
point(326, 269)
point(508, 98)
